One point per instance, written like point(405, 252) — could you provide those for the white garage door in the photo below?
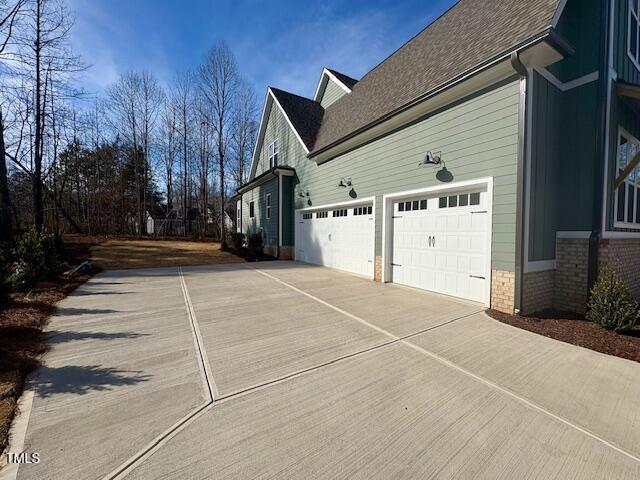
point(441, 244)
point(340, 237)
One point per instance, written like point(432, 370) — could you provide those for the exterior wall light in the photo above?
point(345, 182)
point(431, 159)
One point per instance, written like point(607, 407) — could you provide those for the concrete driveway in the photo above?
point(285, 370)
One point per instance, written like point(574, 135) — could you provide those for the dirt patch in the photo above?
point(122, 254)
point(574, 329)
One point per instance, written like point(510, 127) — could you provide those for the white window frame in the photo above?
point(626, 224)
point(273, 151)
point(633, 19)
point(267, 200)
point(252, 209)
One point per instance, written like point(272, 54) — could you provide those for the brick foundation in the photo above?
point(572, 263)
point(503, 291)
point(377, 269)
point(286, 253)
point(623, 256)
point(538, 291)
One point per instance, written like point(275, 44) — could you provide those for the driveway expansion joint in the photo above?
point(524, 401)
point(209, 387)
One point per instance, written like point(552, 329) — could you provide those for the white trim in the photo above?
point(539, 266)
point(621, 235)
point(636, 16)
point(527, 183)
point(329, 76)
point(631, 139)
point(279, 209)
point(573, 234)
point(611, 74)
point(387, 209)
point(558, 14)
point(269, 101)
point(329, 206)
point(261, 131)
point(571, 84)
point(631, 226)
point(267, 205)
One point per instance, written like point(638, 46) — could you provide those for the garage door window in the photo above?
point(412, 205)
point(307, 216)
point(323, 214)
point(363, 210)
point(340, 213)
point(462, 200)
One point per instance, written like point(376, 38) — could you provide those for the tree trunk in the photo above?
point(6, 222)
point(38, 206)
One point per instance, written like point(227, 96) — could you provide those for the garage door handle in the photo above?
point(480, 211)
point(432, 241)
point(477, 276)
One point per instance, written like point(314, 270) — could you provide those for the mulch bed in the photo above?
point(248, 256)
point(22, 340)
point(574, 329)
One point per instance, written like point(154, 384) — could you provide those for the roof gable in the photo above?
point(328, 75)
point(302, 115)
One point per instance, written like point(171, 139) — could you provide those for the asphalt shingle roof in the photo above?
point(346, 79)
point(471, 33)
point(305, 114)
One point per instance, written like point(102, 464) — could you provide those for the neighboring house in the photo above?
point(493, 157)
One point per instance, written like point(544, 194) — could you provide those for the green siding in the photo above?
point(587, 42)
point(332, 92)
point(289, 145)
point(478, 138)
point(260, 223)
point(564, 160)
point(625, 68)
point(288, 225)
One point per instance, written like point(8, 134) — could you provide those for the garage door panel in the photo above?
point(442, 247)
point(343, 240)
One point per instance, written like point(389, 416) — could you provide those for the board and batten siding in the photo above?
point(253, 225)
point(478, 137)
point(624, 66)
point(332, 92)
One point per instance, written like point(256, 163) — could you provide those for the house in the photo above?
point(493, 157)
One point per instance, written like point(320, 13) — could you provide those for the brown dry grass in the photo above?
point(121, 254)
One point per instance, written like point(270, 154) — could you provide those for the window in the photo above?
point(627, 195)
point(238, 216)
point(268, 201)
point(307, 216)
point(340, 213)
point(323, 214)
point(363, 210)
point(274, 149)
point(251, 210)
point(633, 32)
point(462, 200)
point(412, 205)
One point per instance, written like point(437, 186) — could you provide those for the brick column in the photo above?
point(503, 288)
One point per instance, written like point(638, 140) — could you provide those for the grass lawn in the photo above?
point(22, 322)
point(120, 254)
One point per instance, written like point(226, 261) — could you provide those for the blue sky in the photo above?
point(278, 43)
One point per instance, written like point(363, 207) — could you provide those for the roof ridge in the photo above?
point(294, 94)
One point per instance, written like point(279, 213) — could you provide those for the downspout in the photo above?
point(523, 128)
point(602, 146)
point(279, 215)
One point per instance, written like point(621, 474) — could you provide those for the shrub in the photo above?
point(5, 272)
point(610, 304)
point(236, 240)
point(37, 257)
point(254, 244)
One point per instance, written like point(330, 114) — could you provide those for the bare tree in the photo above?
point(124, 104)
point(218, 84)
point(169, 132)
point(9, 17)
point(183, 103)
point(244, 130)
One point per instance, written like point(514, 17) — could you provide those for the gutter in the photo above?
point(521, 182)
point(601, 146)
point(555, 40)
